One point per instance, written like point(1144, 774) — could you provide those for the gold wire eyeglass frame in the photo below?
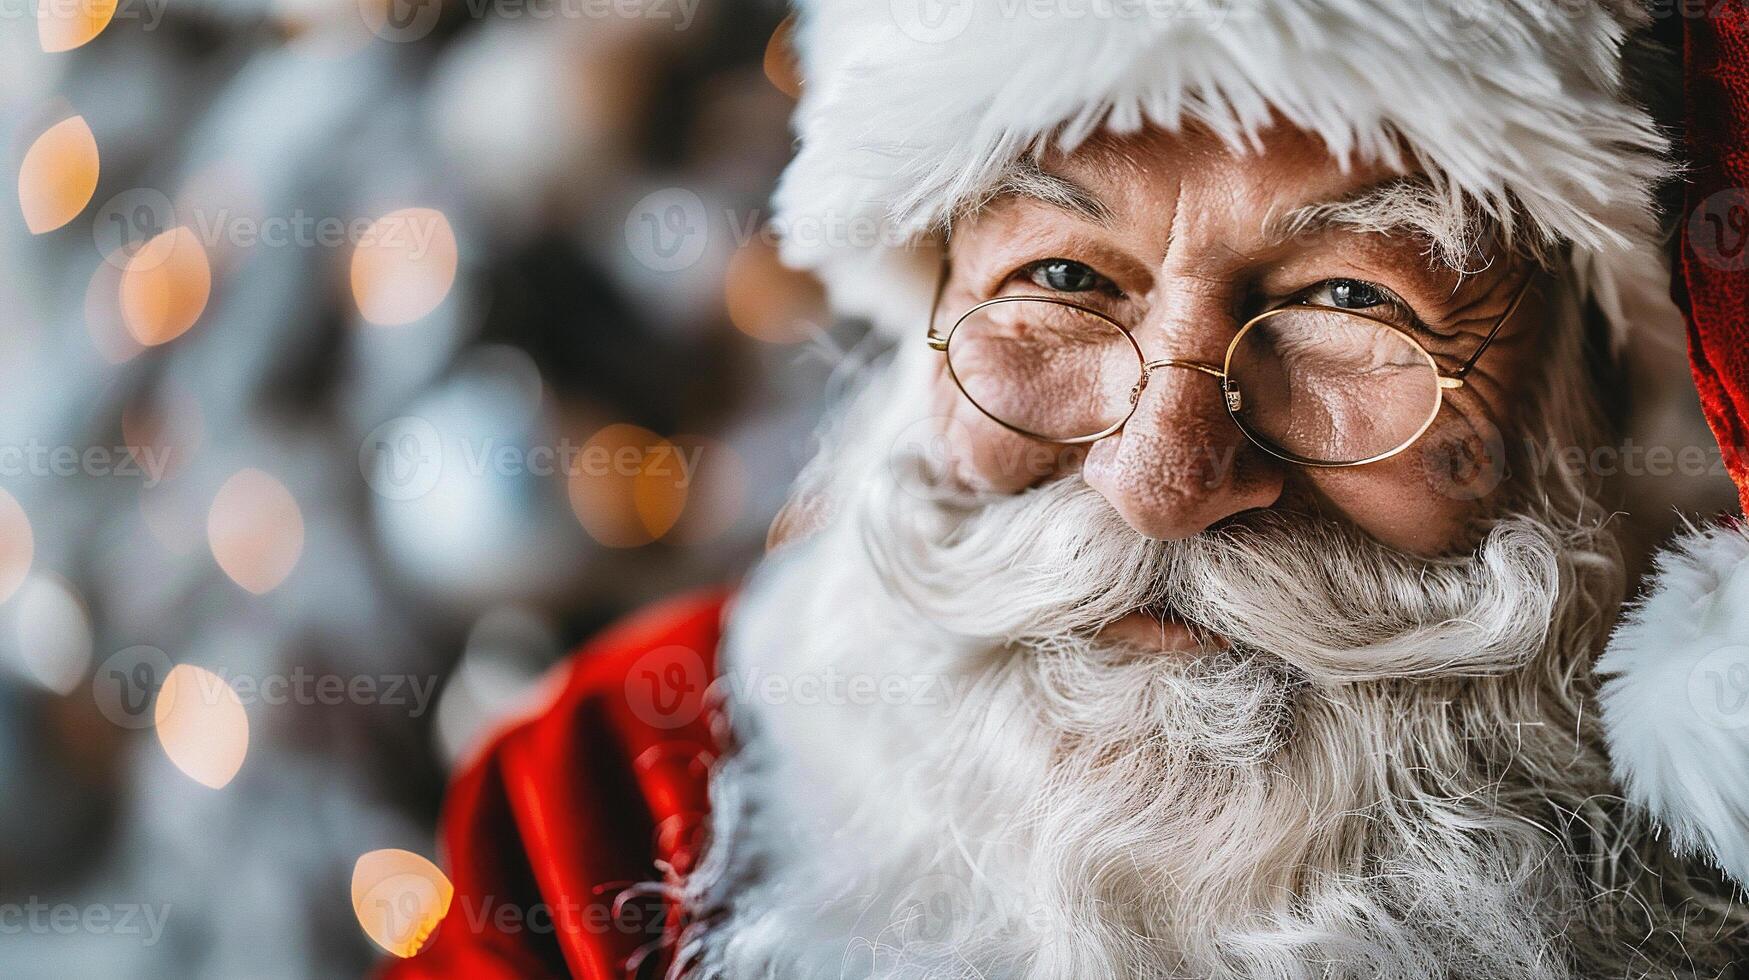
point(1231, 395)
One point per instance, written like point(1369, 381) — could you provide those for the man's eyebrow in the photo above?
point(1027, 179)
point(1406, 206)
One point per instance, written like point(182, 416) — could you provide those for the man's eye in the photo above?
point(1348, 294)
point(1064, 276)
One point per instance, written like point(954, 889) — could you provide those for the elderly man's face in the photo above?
point(1182, 241)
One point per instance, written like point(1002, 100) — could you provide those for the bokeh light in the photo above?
point(255, 530)
point(399, 898)
point(403, 266)
point(53, 633)
point(781, 68)
point(769, 301)
point(716, 490)
point(62, 25)
point(58, 175)
point(17, 545)
point(165, 287)
point(201, 725)
point(103, 319)
point(628, 488)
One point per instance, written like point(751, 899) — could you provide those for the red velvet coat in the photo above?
point(546, 830)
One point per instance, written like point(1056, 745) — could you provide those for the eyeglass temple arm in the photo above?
point(937, 341)
point(1456, 378)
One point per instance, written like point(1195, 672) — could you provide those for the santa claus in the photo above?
point(1190, 593)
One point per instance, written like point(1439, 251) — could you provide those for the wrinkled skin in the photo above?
point(1184, 260)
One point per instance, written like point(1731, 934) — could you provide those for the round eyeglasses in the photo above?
point(1312, 385)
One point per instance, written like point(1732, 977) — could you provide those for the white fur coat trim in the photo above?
point(1676, 697)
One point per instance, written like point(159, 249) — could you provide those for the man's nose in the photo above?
point(1180, 464)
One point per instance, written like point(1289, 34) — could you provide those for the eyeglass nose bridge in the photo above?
point(1228, 389)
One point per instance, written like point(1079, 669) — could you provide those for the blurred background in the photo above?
point(357, 359)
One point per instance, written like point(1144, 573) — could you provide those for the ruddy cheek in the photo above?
point(1393, 502)
point(1462, 458)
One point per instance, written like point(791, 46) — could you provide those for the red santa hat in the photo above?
point(1521, 110)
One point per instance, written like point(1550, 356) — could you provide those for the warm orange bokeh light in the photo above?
point(109, 335)
point(62, 25)
point(399, 898)
point(58, 176)
point(201, 724)
point(628, 486)
point(781, 68)
point(404, 266)
point(165, 287)
point(255, 530)
point(768, 300)
point(716, 490)
point(17, 545)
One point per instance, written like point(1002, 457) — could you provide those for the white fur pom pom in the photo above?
point(1676, 697)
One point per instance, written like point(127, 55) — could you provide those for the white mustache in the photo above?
point(1336, 606)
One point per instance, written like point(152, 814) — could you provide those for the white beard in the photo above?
point(1390, 775)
